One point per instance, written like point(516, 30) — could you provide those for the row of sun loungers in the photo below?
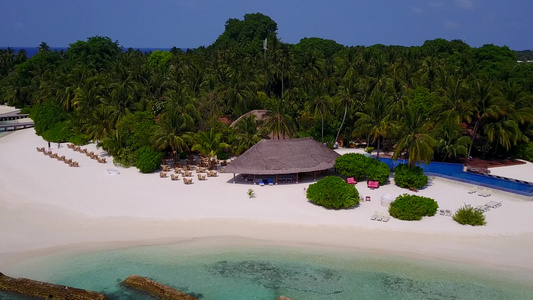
point(480, 191)
point(91, 154)
point(384, 217)
point(486, 207)
point(62, 158)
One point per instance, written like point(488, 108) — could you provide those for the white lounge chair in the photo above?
point(480, 192)
point(442, 212)
point(380, 217)
point(487, 193)
point(448, 213)
point(374, 215)
point(386, 218)
point(473, 190)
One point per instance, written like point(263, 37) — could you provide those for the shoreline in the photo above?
point(47, 207)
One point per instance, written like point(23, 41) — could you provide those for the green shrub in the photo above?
point(59, 132)
point(369, 149)
point(378, 171)
point(46, 115)
point(333, 192)
point(361, 167)
point(222, 155)
point(525, 151)
point(183, 155)
point(411, 207)
point(79, 139)
point(147, 159)
point(407, 176)
point(467, 215)
point(25, 110)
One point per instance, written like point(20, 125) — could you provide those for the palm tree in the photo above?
point(376, 122)
point(277, 123)
point(415, 139)
point(172, 131)
point(208, 143)
point(100, 125)
point(246, 134)
point(450, 141)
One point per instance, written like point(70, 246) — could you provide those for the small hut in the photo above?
point(281, 158)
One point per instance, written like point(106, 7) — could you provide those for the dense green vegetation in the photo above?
point(411, 177)
point(411, 207)
point(468, 215)
point(333, 192)
point(443, 100)
point(147, 159)
point(361, 167)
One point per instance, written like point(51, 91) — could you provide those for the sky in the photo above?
point(194, 23)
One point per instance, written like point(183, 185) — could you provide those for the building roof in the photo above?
point(284, 157)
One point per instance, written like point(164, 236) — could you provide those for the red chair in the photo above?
point(351, 180)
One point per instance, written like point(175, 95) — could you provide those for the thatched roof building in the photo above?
point(272, 157)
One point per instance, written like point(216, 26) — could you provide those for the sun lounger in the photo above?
point(442, 212)
point(448, 212)
point(351, 180)
point(386, 218)
point(380, 217)
point(374, 215)
point(473, 190)
point(487, 193)
point(480, 192)
point(367, 198)
point(270, 181)
point(260, 182)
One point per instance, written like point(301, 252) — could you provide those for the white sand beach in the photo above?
point(47, 206)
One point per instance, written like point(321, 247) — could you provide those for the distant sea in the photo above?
point(31, 51)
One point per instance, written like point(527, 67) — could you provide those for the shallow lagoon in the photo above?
point(218, 268)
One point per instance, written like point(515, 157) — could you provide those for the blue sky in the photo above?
point(193, 23)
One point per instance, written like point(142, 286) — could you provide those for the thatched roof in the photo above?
point(284, 157)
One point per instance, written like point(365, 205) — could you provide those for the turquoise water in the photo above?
point(268, 271)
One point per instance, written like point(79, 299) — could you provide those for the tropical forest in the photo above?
point(440, 101)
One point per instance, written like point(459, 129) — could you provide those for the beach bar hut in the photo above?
point(281, 158)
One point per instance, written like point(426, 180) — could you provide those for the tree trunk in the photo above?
point(378, 147)
point(321, 114)
point(473, 137)
point(342, 124)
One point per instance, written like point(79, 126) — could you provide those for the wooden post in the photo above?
point(254, 180)
point(296, 177)
point(234, 178)
point(276, 179)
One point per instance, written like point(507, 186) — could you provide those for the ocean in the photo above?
point(31, 51)
point(266, 271)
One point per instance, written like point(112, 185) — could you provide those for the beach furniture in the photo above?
point(374, 215)
point(260, 182)
point(442, 212)
point(367, 198)
point(493, 204)
point(473, 190)
point(372, 184)
point(487, 193)
point(380, 216)
point(480, 192)
point(270, 181)
point(174, 177)
point(162, 174)
point(386, 218)
point(351, 180)
point(448, 212)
